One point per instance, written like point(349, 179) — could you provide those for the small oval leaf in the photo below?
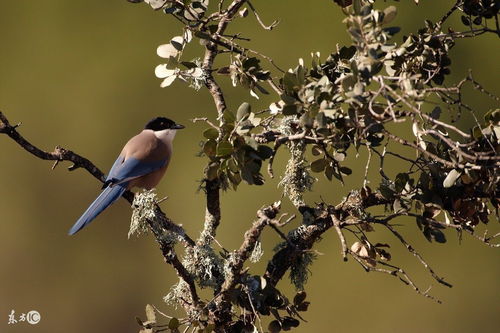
point(166, 51)
point(318, 165)
point(243, 111)
point(211, 133)
point(173, 323)
point(452, 177)
point(224, 148)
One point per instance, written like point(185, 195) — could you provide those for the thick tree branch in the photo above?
point(266, 215)
point(303, 238)
point(212, 187)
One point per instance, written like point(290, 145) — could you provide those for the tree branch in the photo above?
point(212, 187)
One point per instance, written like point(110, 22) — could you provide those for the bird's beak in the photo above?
point(178, 126)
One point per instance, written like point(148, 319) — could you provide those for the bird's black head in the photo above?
point(162, 123)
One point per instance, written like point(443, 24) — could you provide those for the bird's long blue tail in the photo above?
point(109, 195)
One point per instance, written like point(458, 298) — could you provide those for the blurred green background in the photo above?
point(80, 74)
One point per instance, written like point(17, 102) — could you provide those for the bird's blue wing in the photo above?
point(114, 168)
point(130, 169)
point(109, 195)
point(115, 185)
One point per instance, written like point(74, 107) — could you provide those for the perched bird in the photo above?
point(142, 163)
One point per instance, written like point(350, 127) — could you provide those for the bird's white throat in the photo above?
point(166, 135)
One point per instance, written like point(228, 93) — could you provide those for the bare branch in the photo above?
point(396, 272)
point(266, 27)
point(336, 225)
point(416, 254)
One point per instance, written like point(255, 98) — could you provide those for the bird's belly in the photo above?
point(148, 181)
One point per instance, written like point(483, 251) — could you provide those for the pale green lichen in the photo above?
point(179, 291)
point(296, 179)
point(205, 265)
point(228, 263)
point(299, 270)
point(257, 252)
point(143, 210)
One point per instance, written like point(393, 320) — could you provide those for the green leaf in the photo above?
point(289, 110)
point(177, 42)
point(321, 120)
point(386, 191)
point(188, 64)
point(212, 171)
point(477, 132)
point(316, 150)
point(400, 182)
point(173, 323)
point(299, 297)
point(347, 52)
point(211, 133)
point(452, 177)
point(228, 116)
point(265, 152)
point(329, 172)
point(288, 100)
point(345, 170)
point(235, 179)
point(274, 327)
point(209, 148)
point(243, 111)
point(202, 35)
point(224, 148)
point(492, 116)
point(290, 82)
point(392, 30)
point(232, 165)
point(438, 236)
point(289, 322)
point(465, 20)
point(436, 112)
point(318, 165)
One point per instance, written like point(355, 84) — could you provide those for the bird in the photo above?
point(141, 163)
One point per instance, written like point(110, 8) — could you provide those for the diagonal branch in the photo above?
point(304, 237)
point(417, 255)
point(266, 215)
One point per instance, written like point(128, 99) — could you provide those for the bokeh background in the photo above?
point(80, 74)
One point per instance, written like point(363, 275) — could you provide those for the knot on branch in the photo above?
point(5, 126)
point(270, 212)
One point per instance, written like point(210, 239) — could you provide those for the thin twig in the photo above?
point(417, 255)
point(266, 27)
point(336, 225)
